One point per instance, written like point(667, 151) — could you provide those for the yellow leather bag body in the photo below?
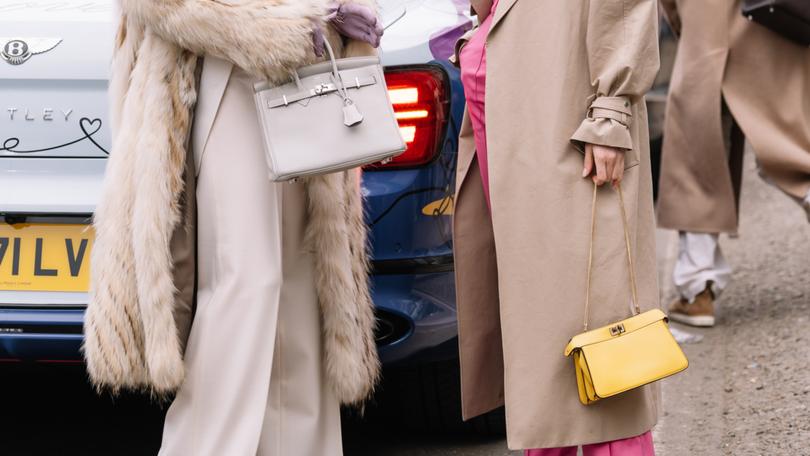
point(626, 354)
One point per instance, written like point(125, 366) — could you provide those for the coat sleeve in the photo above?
point(257, 36)
point(622, 46)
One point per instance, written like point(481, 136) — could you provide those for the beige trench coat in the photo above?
point(547, 63)
point(765, 81)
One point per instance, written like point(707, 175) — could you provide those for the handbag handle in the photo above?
point(351, 114)
point(337, 78)
point(633, 290)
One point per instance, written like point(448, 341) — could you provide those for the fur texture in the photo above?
point(131, 339)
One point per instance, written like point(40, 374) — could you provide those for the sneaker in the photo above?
point(699, 313)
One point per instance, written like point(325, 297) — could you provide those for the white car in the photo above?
point(53, 149)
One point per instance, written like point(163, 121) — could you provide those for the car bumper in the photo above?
point(415, 304)
point(419, 306)
point(48, 335)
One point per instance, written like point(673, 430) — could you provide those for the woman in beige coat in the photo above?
point(562, 78)
point(283, 324)
point(731, 77)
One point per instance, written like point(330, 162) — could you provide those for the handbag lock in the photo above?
point(323, 89)
point(617, 330)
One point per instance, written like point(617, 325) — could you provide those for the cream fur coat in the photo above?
point(132, 340)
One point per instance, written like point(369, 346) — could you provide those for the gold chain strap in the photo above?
point(633, 290)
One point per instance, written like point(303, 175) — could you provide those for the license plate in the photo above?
point(45, 257)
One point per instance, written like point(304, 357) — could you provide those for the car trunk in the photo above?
point(53, 78)
point(54, 132)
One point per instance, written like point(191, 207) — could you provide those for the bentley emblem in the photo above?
point(17, 51)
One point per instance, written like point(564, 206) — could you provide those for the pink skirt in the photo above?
point(634, 446)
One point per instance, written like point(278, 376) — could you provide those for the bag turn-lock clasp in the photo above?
point(323, 89)
point(617, 330)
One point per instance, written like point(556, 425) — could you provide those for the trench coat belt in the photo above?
point(616, 108)
point(602, 113)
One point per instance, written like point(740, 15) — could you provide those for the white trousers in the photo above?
point(700, 260)
point(255, 380)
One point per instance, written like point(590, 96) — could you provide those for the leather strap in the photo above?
point(323, 89)
point(635, 307)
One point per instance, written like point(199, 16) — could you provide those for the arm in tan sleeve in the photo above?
point(622, 46)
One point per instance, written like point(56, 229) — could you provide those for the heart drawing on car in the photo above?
point(89, 128)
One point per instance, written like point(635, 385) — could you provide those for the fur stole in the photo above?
point(131, 338)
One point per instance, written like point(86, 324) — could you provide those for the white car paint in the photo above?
point(412, 23)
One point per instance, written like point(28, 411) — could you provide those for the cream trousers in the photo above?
point(700, 261)
point(255, 381)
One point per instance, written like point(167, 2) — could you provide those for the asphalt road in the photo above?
point(747, 391)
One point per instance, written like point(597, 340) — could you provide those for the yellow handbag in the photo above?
point(626, 354)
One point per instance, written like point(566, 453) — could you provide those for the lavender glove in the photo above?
point(354, 21)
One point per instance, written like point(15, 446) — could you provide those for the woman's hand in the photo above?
point(357, 22)
point(609, 163)
point(354, 21)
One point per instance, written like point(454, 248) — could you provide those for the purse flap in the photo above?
point(614, 330)
point(342, 64)
point(351, 63)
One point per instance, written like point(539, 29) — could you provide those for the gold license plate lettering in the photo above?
point(45, 257)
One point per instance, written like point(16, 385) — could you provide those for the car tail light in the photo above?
point(421, 104)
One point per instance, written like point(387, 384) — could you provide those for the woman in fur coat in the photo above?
point(275, 275)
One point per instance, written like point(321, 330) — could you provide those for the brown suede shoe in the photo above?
point(698, 313)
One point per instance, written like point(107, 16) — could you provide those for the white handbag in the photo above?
point(333, 116)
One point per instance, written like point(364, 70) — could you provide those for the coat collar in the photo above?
point(483, 7)
point(503, 8)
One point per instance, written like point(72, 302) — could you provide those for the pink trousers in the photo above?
point(634, 446)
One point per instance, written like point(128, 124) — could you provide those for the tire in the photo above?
point(426, 398)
